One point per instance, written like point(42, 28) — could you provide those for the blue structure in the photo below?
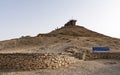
point(100, 49)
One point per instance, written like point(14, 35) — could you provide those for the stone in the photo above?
point(33, 61)
point(71, 23)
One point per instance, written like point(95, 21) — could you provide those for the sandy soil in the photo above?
point(96, 67)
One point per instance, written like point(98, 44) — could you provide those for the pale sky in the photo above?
point(31, 17)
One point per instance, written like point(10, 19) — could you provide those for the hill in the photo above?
point(58, 40)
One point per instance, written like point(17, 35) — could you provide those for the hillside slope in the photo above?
point(71, 35)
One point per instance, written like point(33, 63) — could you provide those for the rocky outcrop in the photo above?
point(34, 61)
point(71, 23)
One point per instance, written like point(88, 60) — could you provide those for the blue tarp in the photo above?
point(100, 49)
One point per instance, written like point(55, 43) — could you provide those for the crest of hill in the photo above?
point(71, 29)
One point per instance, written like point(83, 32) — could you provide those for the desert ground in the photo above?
point(65, 40)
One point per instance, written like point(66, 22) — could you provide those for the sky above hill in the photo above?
point(31, 17)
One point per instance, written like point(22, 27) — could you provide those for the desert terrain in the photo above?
point(67, 40)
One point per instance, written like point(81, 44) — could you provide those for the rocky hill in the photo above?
point(59, 40)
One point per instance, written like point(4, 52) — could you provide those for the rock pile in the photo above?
point(34, 61)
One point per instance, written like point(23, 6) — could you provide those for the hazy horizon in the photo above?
point(31, 17)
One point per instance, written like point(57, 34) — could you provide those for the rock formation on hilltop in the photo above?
point(70, 28)
point(71, 23)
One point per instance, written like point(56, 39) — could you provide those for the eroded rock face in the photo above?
point(33, 61)
point(71, 23)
